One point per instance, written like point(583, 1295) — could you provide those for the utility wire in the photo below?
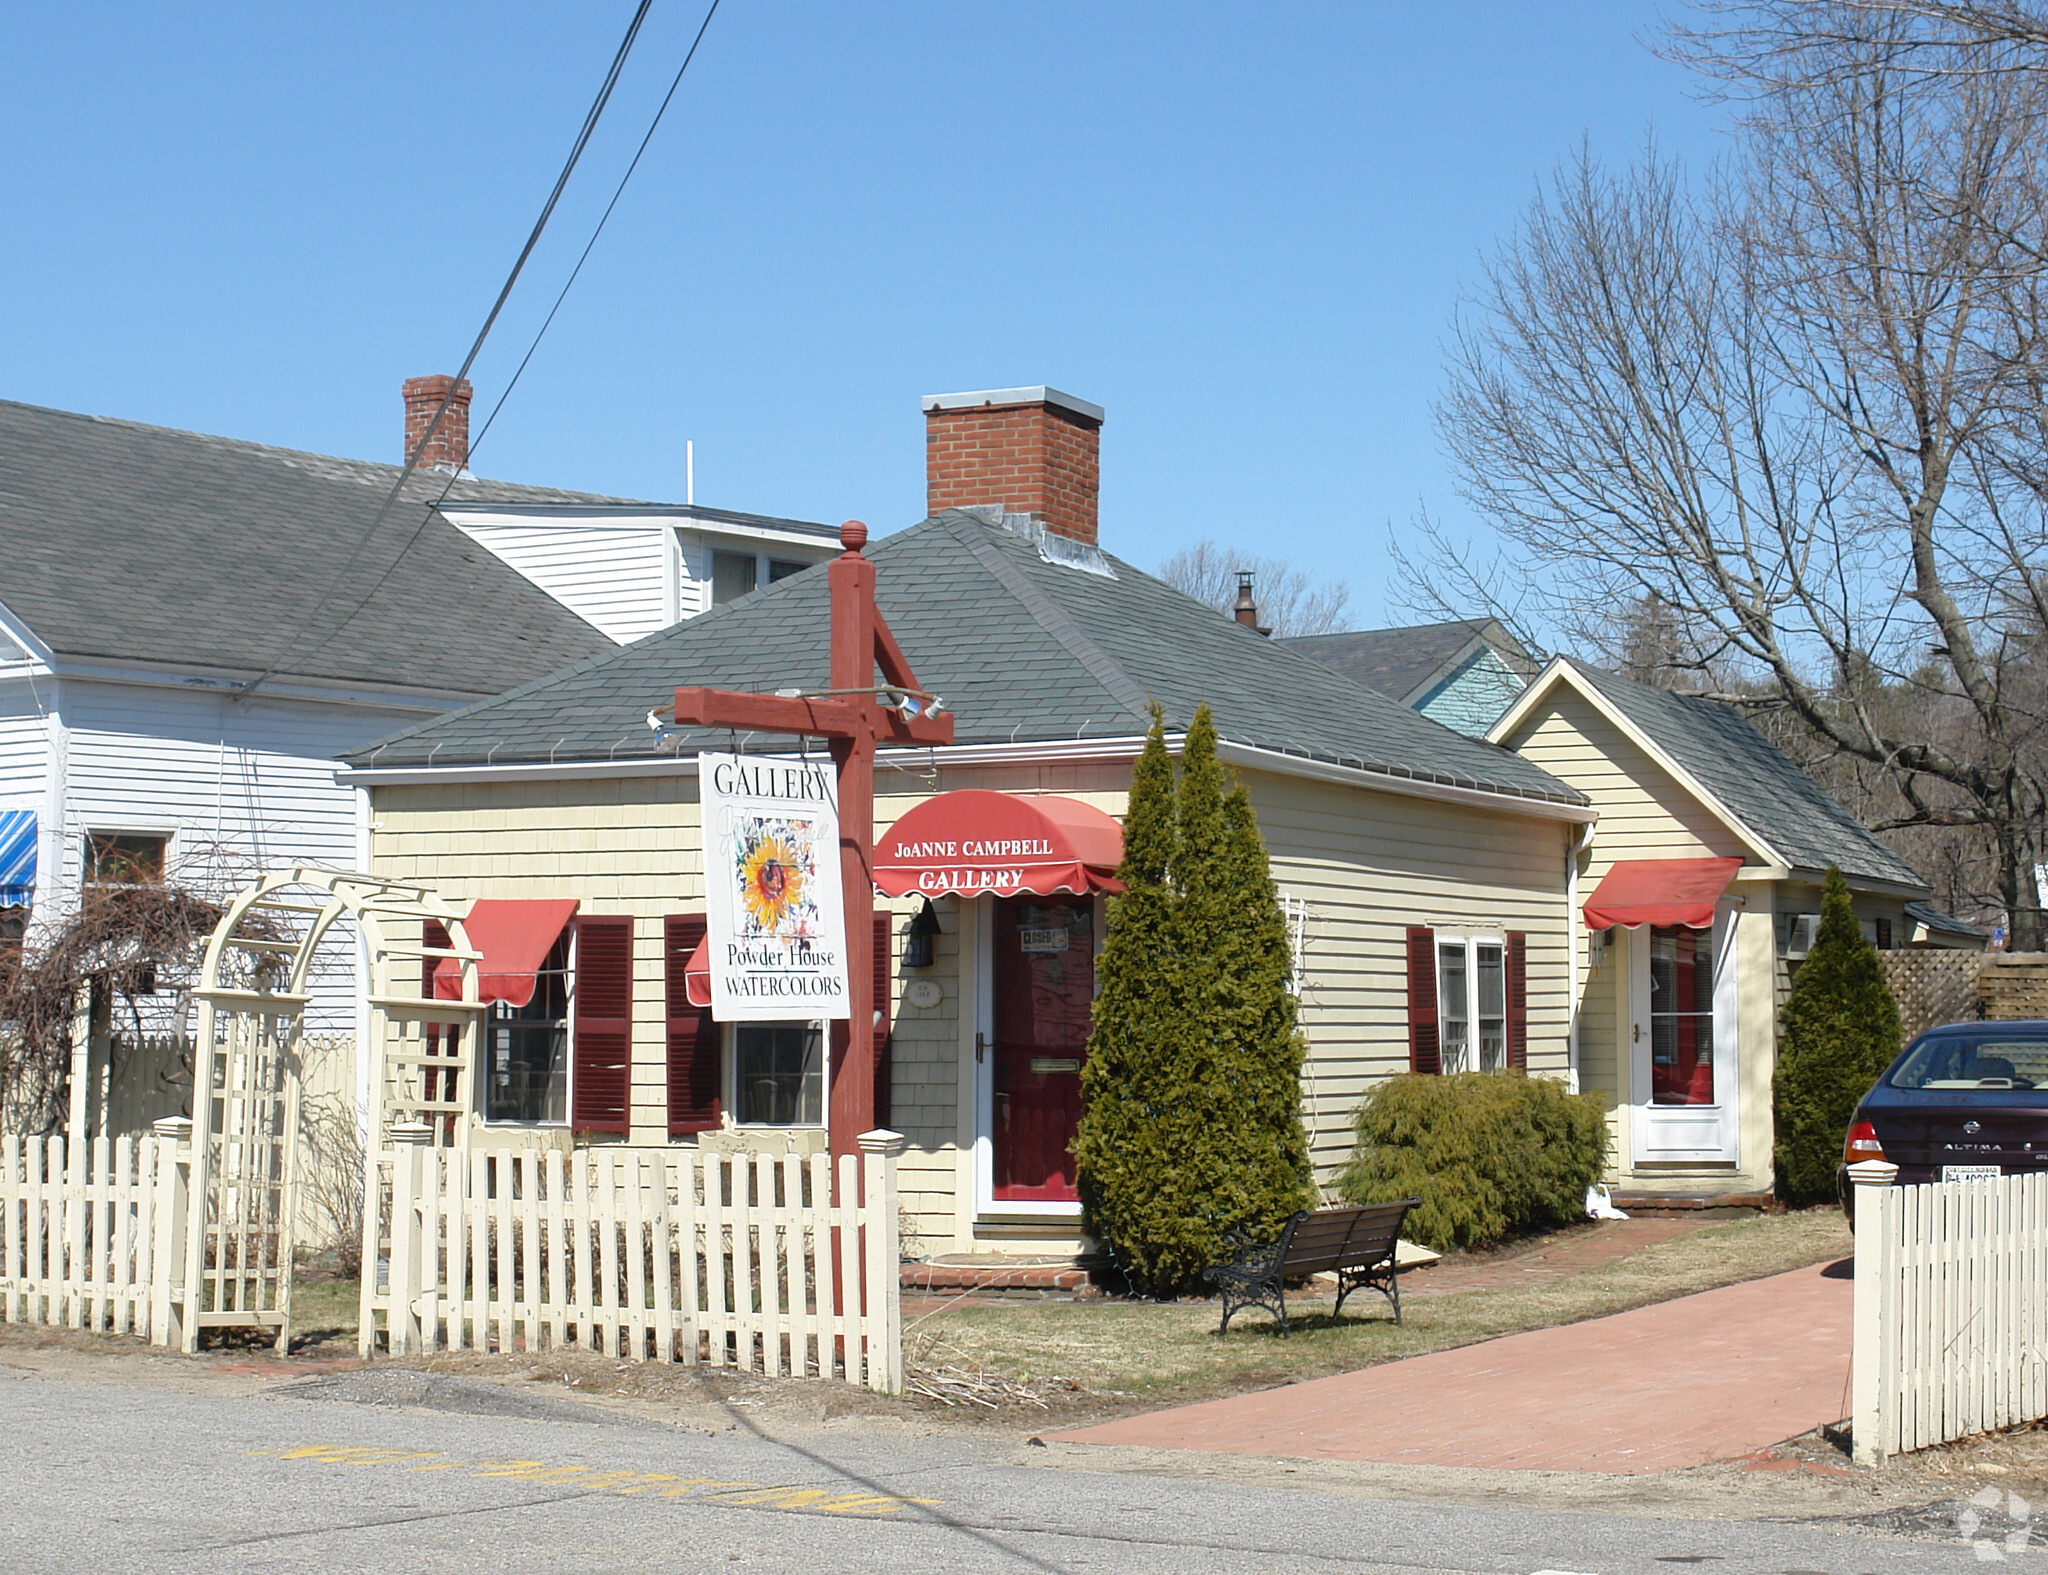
point(583, 135)
point(427, 513)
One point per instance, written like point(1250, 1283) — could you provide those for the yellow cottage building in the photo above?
point(1696, 894)
point(1430, 878)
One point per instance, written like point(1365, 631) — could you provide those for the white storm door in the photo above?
point(1684, 1083)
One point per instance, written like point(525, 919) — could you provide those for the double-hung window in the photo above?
point(1472, 1002)
point(1468, 1000)
point(526, 1048)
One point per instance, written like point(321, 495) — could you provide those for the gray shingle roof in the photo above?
point(1945, 923)
point(143, 543)
point(1397, 662)
point(1753, 779)
point(1022, 649)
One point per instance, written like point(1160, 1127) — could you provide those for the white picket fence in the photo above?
point(1951, 1311)
point(88, 1246)
point(738, 1261)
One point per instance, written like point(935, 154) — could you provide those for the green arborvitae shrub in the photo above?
point(1123, 1146)
point(1838, 1032)
point(1488, 1153)
point(1191, 1125)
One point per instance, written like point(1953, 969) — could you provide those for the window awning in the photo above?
point(515, 937)
point(697, 974)
point(1660, 891)
point(17, 858)
point(976, 841)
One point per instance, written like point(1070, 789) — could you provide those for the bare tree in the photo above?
point(1800, 402)
point(1290, 602)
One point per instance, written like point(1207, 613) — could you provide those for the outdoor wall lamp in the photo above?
point(920, 936)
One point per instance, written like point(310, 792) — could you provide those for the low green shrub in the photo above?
point(1488, 1154)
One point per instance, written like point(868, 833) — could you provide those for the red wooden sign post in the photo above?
point(853, 719)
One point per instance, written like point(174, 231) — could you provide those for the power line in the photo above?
point(427, 513)
point(583, 135)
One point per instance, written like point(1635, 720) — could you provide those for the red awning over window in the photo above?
point(1660, 891)
point(976, 841)
point(515, 938)
point(697, 974)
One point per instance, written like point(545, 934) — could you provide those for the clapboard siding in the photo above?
point(238, 786)
point(24, 746)
point(1367, 864)
point(615, 577)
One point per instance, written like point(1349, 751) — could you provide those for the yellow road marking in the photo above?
point(706, 1490)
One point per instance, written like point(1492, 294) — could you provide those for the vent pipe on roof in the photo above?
point(448, 448)
point(1246, 611)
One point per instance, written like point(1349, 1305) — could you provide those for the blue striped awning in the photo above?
point(17, 858)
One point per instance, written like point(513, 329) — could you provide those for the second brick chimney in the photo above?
point(1032, 451)
point(449, 449)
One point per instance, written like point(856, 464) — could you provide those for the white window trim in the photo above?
point(481, 1070)
point(1471, 939)
point(728, 1079)
point(124, 828)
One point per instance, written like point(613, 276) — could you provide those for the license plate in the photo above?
point(1970, 1173)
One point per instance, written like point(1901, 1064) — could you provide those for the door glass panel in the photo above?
point(1681, 1016)
point(1045, 995)
point(1453, 1007)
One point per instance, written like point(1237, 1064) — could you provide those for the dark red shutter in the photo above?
point(885, 978)
point(1518, 1000)
point(604, 1022)
point(1424, 1050)
point(693, 1060)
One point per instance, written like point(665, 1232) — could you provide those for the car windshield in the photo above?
point(1973, 1061)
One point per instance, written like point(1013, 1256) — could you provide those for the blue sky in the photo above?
point(1241, 229)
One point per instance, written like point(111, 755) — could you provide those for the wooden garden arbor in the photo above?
point(241, 1200)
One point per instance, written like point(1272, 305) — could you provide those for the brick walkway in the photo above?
point(1553, 1257)
point(1709, 1377)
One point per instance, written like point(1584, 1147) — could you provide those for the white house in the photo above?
point(193, 627)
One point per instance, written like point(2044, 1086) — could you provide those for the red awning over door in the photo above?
point(515, 938)
point(1660, 891)
point(976, 841)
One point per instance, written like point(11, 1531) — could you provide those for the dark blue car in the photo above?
point(1964, 1100)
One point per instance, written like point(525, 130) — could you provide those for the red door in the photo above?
point(1045, 990)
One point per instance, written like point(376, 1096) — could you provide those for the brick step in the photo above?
point(1730, 1205)
point(1042, 1278)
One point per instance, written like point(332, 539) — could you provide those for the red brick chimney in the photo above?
point(449, 447)
point(1031, 451)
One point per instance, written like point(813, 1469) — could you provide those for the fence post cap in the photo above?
point(1873, 1172)
point(411, 1132)
point(880, 1141)
point(177, 1129)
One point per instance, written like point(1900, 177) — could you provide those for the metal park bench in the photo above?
point(1356, 1244)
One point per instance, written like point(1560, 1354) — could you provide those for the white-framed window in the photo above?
point(126, 858)
point(527, 1058)
point(776, 1074)
point(1472, 1002)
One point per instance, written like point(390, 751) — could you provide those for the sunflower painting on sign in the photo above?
point(772, 896)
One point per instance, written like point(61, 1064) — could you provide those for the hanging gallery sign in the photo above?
point(777, 926)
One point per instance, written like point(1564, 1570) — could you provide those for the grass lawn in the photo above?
point(1103, 1356)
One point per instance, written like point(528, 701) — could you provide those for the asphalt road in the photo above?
point(394, 1471)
